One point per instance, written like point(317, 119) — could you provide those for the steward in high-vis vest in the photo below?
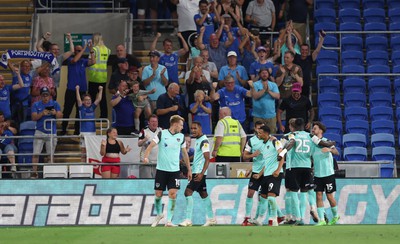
point(98, 72)
point(229, 138)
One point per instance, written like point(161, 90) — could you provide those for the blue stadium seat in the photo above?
point(386, 170)
point(380, 99)
point(396, 69)
point(338, 157)
point(354, 84)
point(330, 4)
point(327, 57)
point(383, 154)
point(395, 42)
point(374, 15)
point(398, 112)
point(27, 128)
point(379, 69)
point(329, 113)
point(329, 41)
point(376, 43)
point(394, 15)
point(325, 15)
point(355, 154)
point(328, 100)
point(382, 140)
point(349, 4)
point(379, 85)
point(397, 99)
point(396, 85)
point(352, 27)
point(357, 126)
point(352, 43)
point(393, 4)
point(326, 26)
point(382, 126)
point(334, 126)
point(25, 145)
point(377, 57)
point(353, 68)
point(355, 99)
point(395, 26)
point(381, 113)
point(373, 4)
point(330, 69)
point(354, 140)
point(395, 57)
point(349, 15)
point(351, 57)
point(334, 137)
point(328, 85)
point(374, 27)
point(355, 113)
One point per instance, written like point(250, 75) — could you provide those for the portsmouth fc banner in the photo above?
point(46, 56)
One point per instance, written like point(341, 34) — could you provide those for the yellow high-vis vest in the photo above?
point(98, 71)
point(230, 146)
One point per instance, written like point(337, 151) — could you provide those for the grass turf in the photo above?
point(349, 234)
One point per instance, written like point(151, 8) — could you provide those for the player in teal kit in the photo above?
point(170, 143)
point(298, 173)
point(324, 175)
point(271, 180)
point(201, 161)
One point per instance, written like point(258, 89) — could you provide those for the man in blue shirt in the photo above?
point(264, 93)
point(206, 19)
point(20, 103)
point(42, 111)
point(124, 110)
point(76, 77)
point(5, 93)
point(238, 72)
point(169, 58)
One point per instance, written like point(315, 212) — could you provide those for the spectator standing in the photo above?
point(229, 7)
point(264, 61)
point(201, 111)
point(236, 31)
point(206, 19)
point(208, 65)
point(261, 16)
point(169, 58)
point(142, 6)
point(124, 110)
point(5, 94)
point(264, 94)
point(42, 110)
point(76, 77)
point(155, 76)
point(296, 106)
point(7, 145)
point(98, 72)
point(238, 72)
point(168, 105)
point(197, 79)
point(229, 138)
point(21, 98)
point(186, 10)
point(119, 75)
point(146, 135)
point(43, 80)
point(297, 12)
point(121, 53)
point(287, 75)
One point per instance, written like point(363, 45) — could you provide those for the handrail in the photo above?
point(49, 6)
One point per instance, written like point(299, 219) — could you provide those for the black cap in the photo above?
point(121, 60)
point(154, 53)
point(44, 90)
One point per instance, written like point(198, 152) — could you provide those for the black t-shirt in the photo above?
point(298, 10)
point(116, 78)
point(306, 67)
point(296, 108)
point(132, 61)
point(164, 101)
point(192, 88)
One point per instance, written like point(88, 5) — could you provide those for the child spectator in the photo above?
point(141, 103)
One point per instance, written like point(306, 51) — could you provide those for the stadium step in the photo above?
point(10, 2)
point(17, 32)
point(15, 17)
point(5, 46)
point(24, 10)
point(15, 39)
point(15, 24)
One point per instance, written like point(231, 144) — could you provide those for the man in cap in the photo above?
point(118, 75)
point(42, 112)
point(296, 106)
point(264, 61)
point(238, 72)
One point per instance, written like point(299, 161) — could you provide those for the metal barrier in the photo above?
point(49, 6)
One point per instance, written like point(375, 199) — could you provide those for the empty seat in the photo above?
point(386, 169)
point(350, 27)
point(376, 43)
point(358, 126)
point(354, 84)
point(353, 69)
point(330, 4)
point(325, 15)
point(382, 140)
point(349, 15)
point(377, 57)
point(25, 145)
point(334, 137)
point(395, 42)
point(396, 85)
point(383, 154)
point(379, 69)
point(378, 84)
point(375, 27)
point(355, 154)
point(382, 126)
point(355, 113)
point(373, 4)
point(349, 4)
point(396, 69)
point(327, 69)
point(27, 128)
point(328, 85)
point(397, 99)
point(393, 4)
point(398, 112)
point(394, 14)
point(334, 127)
point(395, 26)
point(329, 41)
point(355, 99)
point(55, 171)
point(374, 15)
point(329, 113)
point(354, 140)
point(352, 43)
point(380, 99)
point(381, 113)
point(327, 57)
point(326, 26)
point(396, 56)
point(352, 57)
point(81, 171)
point(328, 100)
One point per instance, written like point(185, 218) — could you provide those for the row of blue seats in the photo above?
point(370, 15)
point(342, 4)
point(356, 84)
point(332, 71)
point(358, 99)
point(360, 140)
point(356, 26)
point(356, 57)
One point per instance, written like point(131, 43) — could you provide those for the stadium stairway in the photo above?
point(15, 27)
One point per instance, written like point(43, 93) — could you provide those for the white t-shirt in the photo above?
point(186, 10)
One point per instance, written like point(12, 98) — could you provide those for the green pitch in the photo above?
point(347, 234)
